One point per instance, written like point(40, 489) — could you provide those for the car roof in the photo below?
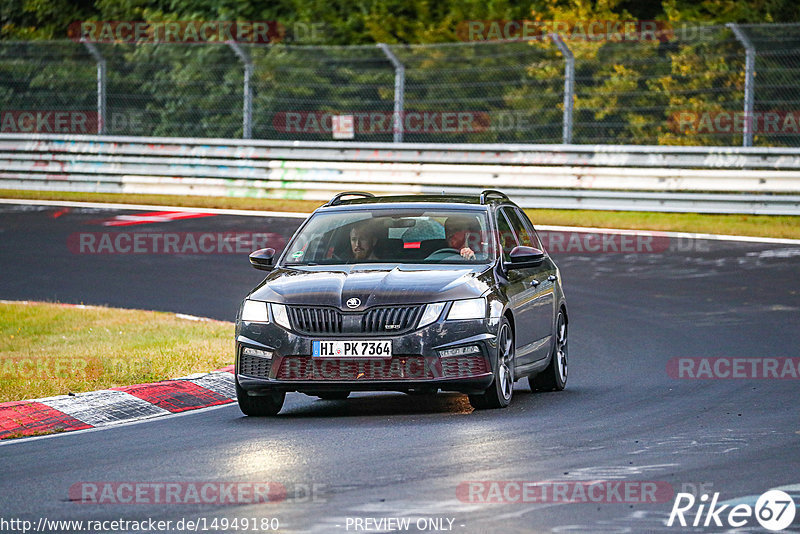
point(416, 201)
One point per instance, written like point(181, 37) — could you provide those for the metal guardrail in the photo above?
point(655, 178)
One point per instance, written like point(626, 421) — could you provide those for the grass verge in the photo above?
point(751, 225)
point(50, 349)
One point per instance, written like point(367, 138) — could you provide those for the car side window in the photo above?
point(525, 235)
point(506, 235)
point(531, 231)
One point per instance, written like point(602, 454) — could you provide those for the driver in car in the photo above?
point(457, 229)
point(362, 241)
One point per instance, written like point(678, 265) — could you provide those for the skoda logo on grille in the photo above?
point(353, 303)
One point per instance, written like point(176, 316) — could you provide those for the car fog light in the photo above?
point(460, 351)
point(248, 351)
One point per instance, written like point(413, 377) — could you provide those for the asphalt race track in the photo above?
point(622, 419)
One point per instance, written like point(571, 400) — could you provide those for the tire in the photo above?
point(499, 393)
point(554, 377)
point(260, 406)
point(333, 395)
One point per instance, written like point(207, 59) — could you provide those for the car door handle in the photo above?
point(534, 283)
point(552, 278)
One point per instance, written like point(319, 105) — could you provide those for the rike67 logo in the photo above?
point(774, 510)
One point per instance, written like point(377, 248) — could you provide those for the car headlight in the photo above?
point(431, 314)
point(280, 316)
point(255, 311)
point(468, 309)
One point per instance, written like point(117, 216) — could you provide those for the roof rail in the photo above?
point(486, 193)
point(338, 198)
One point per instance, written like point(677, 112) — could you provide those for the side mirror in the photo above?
point(524, 257)
point(262, 259)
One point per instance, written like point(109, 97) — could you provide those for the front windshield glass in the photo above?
point(393, 236)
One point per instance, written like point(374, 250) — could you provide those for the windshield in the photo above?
point(393, 236)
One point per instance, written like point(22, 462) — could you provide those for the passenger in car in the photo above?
point(457, 228)
point(363, 238)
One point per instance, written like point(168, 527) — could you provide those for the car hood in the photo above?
point(373, 285)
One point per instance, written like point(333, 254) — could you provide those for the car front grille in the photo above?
point(313, 320)
point(254, 366)
point(309, 320)
point(398, 319)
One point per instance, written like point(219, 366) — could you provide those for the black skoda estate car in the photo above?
point(407, 293)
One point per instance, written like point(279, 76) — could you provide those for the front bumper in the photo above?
point(415, 363)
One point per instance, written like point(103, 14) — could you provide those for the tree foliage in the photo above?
point(350, 22)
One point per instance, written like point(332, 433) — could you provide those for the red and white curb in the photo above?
point(116, 405)
point(125, 404)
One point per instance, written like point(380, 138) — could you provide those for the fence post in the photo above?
point(247, 105)
point(101, 86)
point(569, 86)
point(399, 91)
point(749, 87)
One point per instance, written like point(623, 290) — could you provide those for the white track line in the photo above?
point(295, 215)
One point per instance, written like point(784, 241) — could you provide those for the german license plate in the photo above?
point(352, 349)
